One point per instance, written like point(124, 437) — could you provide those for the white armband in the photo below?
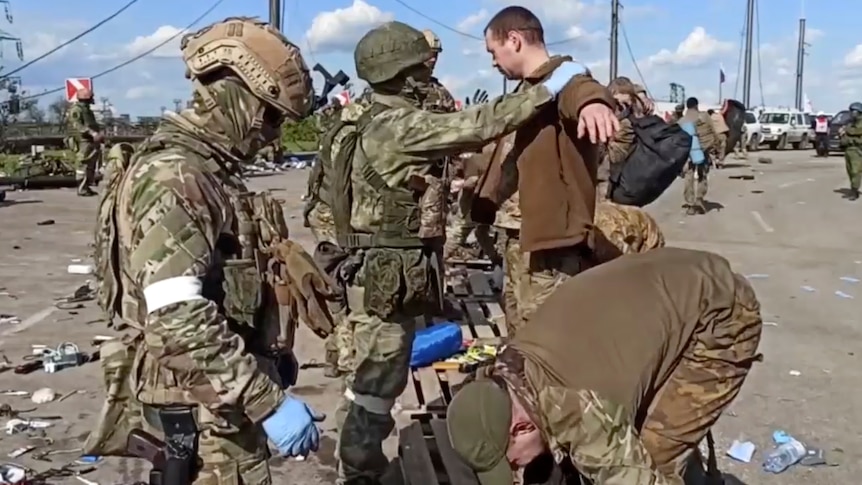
point(172, 290)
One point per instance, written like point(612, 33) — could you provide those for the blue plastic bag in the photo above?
point(437, 342)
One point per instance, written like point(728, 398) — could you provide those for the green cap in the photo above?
point(478, 420)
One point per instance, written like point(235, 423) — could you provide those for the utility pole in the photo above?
point(615, 37)
point(275, 13)
point(178, 105)
point(800, 65)
point(749, 40)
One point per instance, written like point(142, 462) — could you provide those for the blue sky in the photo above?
point(672, 41)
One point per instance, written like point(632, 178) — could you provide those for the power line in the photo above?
point(73, 39)
point(139, 56)
point(468, 35)
point(759, 70)
point(632, 56)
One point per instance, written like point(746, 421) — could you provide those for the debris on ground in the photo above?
point(809, 289)
point(46, 222)
point(843, 295)
point(849, 279)
point(85, 269)
point(741, 451)
point(43, 395)
point(7, 319)
point(764, 160)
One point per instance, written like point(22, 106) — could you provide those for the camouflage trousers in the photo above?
point(530, 278)
point(379, 372)
point(853, 163)
point(339, 345)
point(741, 148)
point(696, 184)
point(720, 147)
point(86, 158)
point(459, 229)
point(704, 383)
point(630, 229)
point(321, 224)
point(230, 453)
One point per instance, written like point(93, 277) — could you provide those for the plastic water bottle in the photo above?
point(784, 456)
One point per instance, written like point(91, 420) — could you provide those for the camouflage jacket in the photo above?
point(438, 99)
point(80, 120)
point(176, 215)
point(404, 141)
point(319, 178)
point(851, 134)
point(703, 127)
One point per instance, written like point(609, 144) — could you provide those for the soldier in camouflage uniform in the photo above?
point(202, 269)
point(437, 99)
point(392, 225)
point(627, 397)
point(83, 138)
point(696, 174)
point(318, 217)
point(851, 140)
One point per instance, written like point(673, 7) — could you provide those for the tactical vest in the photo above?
point(250, 285)
point(400, 222)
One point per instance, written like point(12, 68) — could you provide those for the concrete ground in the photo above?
point(788, 229)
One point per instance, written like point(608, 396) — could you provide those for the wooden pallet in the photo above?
point(430, 389)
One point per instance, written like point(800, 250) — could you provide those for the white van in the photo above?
point(780, 127)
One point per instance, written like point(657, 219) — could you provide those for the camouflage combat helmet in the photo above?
point(270, 65)
point(433, 40)
point(388, 50)
point(857, 107)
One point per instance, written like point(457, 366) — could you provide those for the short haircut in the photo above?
point(691, 103)
point(517, 19)
point(710, 111)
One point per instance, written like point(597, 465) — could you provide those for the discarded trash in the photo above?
point(741, 451)
point(741, 177)
point(44, 395)
point(46, 222)
point(849, 279)
point(88, 459)
point(85, 481)
point(6, 319)
point(809, 289)
point(813, 457)
point(757, 276)
point(764, 160)
point(20, 451)
point(17, 425)
point(66, 355)
point(11, 392)
point(11, 474)
point(795, 373)
point(784, 456)
point(843, 295)
point(771, 324)
point(779, 437)
point(80, 269)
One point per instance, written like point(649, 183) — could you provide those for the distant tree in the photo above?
point(35, 112)
point(58, 109)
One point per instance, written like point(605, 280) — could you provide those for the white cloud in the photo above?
point(142, 92)
point(144, 43)
point(472, 21)
point(580, 35)
point(340, 29)
point(697, 49)
point(853, 59)
point(565, 12)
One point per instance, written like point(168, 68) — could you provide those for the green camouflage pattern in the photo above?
point(179, 210)
point(400, 143)
point(631, 229)
point(79, 121)
point(438, 99)
point(388, 50)
point(851, 140)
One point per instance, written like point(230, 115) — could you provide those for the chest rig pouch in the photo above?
point(270, 283)
point(398, 268)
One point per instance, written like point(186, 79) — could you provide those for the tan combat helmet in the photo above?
point(433, 41)
point(84, 94)
point(271, 66)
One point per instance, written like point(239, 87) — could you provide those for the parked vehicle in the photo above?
point(840, 119)
point(778, 128)
point(753, 133)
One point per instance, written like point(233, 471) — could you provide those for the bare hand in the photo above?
point(599, 121)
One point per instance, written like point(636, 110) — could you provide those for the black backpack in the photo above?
point(660, 153)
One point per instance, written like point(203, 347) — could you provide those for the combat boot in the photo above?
point(330, 369)
point(86, 192)
point(854, 194)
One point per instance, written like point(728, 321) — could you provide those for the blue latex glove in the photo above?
point(292, 428)
point(563, 74)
